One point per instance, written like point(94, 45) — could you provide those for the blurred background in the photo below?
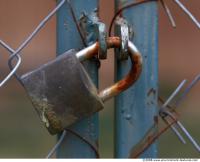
point(21, 132)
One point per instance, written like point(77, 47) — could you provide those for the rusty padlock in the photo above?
point(63, 93)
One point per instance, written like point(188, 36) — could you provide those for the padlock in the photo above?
point(63, 93)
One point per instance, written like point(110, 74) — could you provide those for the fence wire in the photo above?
point(166, 112)
point(26, 41)
point(165, 7)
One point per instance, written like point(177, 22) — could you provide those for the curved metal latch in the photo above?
point(127, 81)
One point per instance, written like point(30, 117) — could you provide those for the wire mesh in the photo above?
point(166, 111)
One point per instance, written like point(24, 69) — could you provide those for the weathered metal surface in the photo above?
point(62, 92)
point(94, 30)
point(136, 108)
point(128, 80)
point(72, 96)
point(122, 30)
point(149, 138)
point(68, 37)
point(102, 35)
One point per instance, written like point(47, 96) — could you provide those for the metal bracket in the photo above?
point(94, 30)
point(125, 32)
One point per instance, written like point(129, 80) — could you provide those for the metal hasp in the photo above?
point(122, 30)
point(135, 109)
point(63, 93)
point(94, 30)
point(68, 38)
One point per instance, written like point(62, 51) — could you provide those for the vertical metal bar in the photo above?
point(68, 38)
point(136, 107)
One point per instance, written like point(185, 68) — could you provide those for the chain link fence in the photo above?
point(167, 112)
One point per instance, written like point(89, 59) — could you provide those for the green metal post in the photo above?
point(136, 108)
point(68, 38)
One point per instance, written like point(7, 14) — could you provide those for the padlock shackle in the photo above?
point(129, 79)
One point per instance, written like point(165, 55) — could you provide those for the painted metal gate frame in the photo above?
point(134, 109)
point(68, 38)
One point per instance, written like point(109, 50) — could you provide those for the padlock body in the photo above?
point(62, 92)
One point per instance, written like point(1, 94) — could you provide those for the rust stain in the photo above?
point(130, 78)
point(55, 124)
point(150, 137)
point(156, 119)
